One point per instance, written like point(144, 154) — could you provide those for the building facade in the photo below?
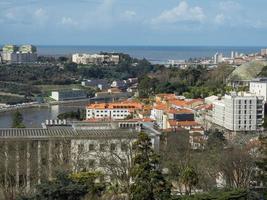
point(95, 58)
point(17, 55)
point(31, 156)
point(117, 111)
point(243, 112)
point(259, 87)
point(68, 95)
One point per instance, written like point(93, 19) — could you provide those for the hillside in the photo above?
point(247, 71)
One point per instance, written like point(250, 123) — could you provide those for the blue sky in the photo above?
point(134, 22)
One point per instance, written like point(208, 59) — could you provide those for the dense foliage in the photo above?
point(17, 120)
point(68, 187)
point(193, 82)
point(78, 115)
point(149, 182)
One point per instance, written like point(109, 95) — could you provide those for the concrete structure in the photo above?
point(101, 84)
point(23, 54)
point(264, 52)
point(121, 84)
point(218, 58)
point(117, 111)
point(95, 58)
point(243, 112)
point(68, 95)
point(31, 156)
point(259, 87)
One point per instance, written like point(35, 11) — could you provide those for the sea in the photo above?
point(155, 54)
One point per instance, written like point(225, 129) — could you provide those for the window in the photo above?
point(123, 147)
point(91, 147)
point(80, 148)
point(91, 163)
point(102, 162)
point(113, 147)
point(102, 147)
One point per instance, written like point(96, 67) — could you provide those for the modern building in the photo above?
point(68, 95)
point(95, 58)
point(239, 112)
point(264, 52)
point(23, 54)
point(258, 87)
point(218, 58)
point(115, 111)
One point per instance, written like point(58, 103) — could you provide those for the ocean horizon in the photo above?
point(156, 54)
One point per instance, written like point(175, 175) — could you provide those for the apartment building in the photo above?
point(239, 112)
point(263, 52)
point(95, 58)
point(116, 111)
point(22, 54)
point(258, 87)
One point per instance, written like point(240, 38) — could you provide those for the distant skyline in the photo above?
point(134, 22)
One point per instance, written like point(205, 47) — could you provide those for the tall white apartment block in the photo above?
point(243, 112)
point(263, 52)
point(22, 54)
point(259, 87)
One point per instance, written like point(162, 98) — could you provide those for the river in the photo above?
point(33, 117)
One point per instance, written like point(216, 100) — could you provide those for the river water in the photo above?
point(33, 117)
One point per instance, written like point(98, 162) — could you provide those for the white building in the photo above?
point(243, 112)
point(263, 52)
point(68, 95)
point(259, 87)
point(117, 111)
point(95, 58)
point(218, 58)
point(82, 146)
point(22, 54)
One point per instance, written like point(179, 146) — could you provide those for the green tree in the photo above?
point(189, 179)
point(17, 120)
point(149, 182)
point(262, 164)
point(63, 187)
point(216, 139)
point(147, 86)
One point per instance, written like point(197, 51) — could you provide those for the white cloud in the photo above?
point(219, 18)
point(24, 16)
point(229, 6)
point(40, 13)
point(68, 21)
point(182, 12)
point(130, 13)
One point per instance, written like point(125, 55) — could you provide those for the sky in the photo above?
point(134, 22)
